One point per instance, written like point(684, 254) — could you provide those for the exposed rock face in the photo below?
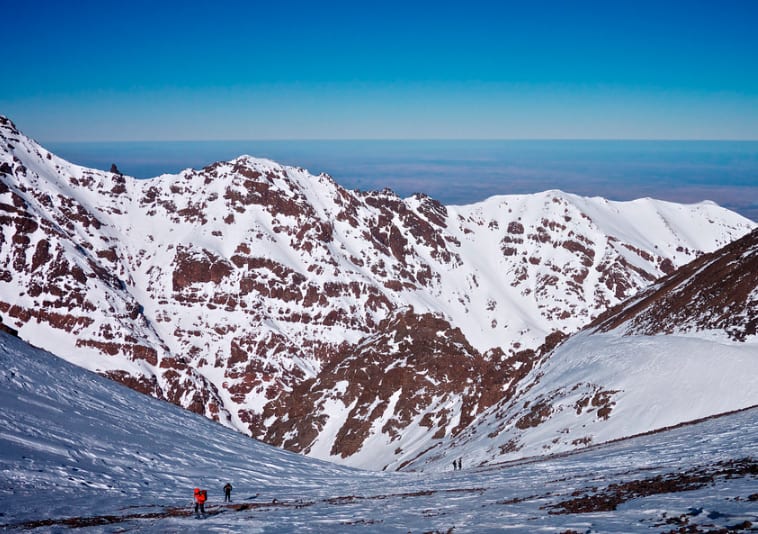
point(717, 291)
point(417, 371)
point(684, 349)
point(333, 322)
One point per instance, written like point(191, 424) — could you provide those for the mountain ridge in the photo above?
point(717, 292)
point(227, 288)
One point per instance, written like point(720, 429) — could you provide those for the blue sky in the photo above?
point(139, 70)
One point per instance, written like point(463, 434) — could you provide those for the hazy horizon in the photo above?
point(467, 171)
point(63, 141)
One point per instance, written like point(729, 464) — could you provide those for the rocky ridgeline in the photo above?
point(717, 291)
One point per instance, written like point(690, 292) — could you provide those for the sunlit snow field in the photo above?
point(78, 450)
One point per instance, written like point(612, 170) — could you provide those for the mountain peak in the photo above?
point(255, 163)
point(6, 123)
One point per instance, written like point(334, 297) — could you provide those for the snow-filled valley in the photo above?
point(591, 363)
point(79, 451)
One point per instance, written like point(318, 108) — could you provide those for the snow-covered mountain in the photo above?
point(80, 451)
point(682, 350)
point(716, 294)
point(353, 326)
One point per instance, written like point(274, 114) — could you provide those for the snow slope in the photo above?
point(354, 326)
point(684, 349)
point(600, 387)
point(77, 450)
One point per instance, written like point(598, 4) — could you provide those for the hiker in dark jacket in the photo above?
point(228, 493)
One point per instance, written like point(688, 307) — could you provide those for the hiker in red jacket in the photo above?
point(200, 498)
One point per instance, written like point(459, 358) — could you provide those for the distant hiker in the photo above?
point(460, 464)
point(200, 497)
point(228, 493)
point(455, 465)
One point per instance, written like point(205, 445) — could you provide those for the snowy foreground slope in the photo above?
point(352, 326)
point(77, 450)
